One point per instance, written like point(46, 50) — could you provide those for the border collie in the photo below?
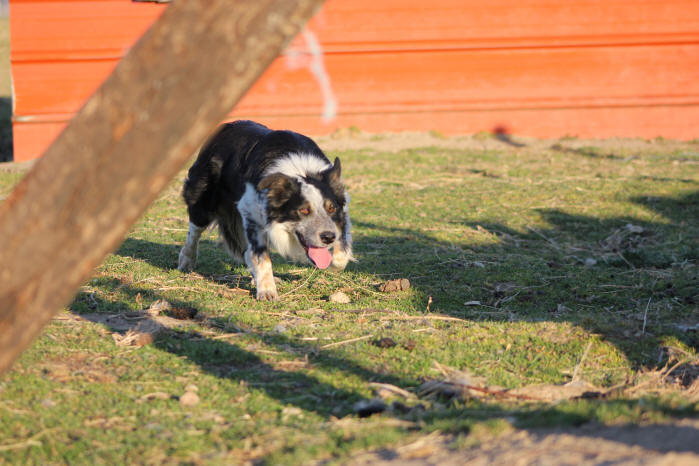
point(267, 189)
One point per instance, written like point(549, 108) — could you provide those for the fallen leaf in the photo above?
point(134, 338)
point(569, 391)
point(409, 345)
point(385, 342)
point(183, 313)
point(231, 292)
point(399, 284)
point(158, 307)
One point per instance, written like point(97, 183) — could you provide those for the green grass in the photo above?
point(511, 229)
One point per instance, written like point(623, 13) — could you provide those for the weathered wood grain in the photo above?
point(126, 143)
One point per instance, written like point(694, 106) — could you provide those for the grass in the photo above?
point(548, 262)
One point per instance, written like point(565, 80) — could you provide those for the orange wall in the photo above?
point(547, 68)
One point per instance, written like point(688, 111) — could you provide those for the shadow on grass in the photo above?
point(600, 274)
point(533, 275)
point(609, 270)
point(288, 385)
point(233, 361)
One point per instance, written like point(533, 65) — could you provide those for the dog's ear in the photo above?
point(333, 175)
point(278, 189)
point(335, 172)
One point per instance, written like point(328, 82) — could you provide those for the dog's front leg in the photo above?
point(260, 265)
point(342, 254)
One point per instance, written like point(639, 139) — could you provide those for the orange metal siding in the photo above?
point(592, 68)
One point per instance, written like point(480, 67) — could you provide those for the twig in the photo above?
point(580, 363)
point(548, 240)
point(30, 442)
point(302, 284)
point(264, 351)
point(344, 342)
point(645, 316)
point(446, 318)
point(364, 311)
point(627, 262)
point(393, 389)
point(23, 444)
point(227, 335)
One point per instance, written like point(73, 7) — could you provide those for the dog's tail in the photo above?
point(200, 190)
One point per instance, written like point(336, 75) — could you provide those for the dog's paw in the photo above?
point(340, 260)
point(337, 267)
point(186, 263)
point(267, 295)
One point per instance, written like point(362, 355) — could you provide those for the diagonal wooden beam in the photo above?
point(125, 145)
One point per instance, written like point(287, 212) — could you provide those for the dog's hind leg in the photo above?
point(188, 254)
point(200, 199)
point(230, 228)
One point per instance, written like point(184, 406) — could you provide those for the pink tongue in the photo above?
point(320, 257)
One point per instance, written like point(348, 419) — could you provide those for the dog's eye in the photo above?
point(305, 211)
point(330, 208)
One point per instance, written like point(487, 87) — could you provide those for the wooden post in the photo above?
point(124, 146)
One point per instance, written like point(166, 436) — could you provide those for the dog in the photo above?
point(267, 190)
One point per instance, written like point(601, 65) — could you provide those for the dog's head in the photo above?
point(312, 207)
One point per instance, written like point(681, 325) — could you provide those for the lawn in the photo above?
point(553, 284)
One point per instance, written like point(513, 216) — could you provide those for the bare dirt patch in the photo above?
point(655, 444)
point(393, 142)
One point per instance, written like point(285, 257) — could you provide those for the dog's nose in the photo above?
point(327, 237)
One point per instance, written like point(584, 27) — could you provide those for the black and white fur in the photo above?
point(266, 189)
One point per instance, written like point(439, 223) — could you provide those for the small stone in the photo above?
point(191, 388)
point(589, 262)
point(189, 399)
point(339, 297)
